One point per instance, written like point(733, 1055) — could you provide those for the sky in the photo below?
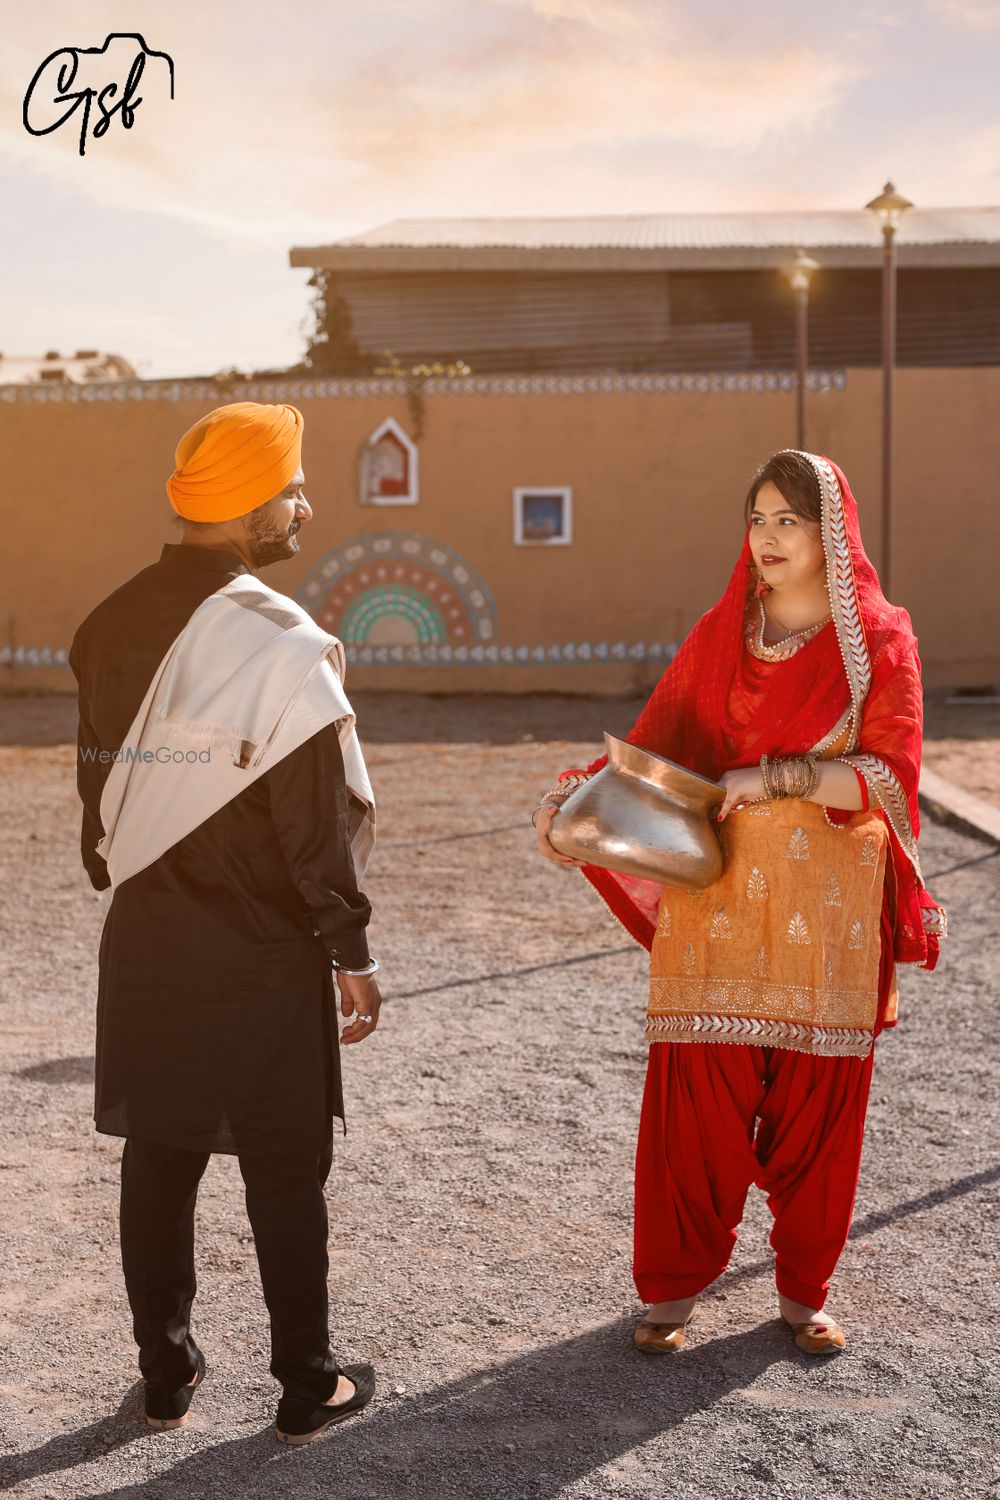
point(299, 124)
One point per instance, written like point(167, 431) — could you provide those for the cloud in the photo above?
point(971, 15)
point(266, 142)
point(575, 76)
point(323, 118)
point(981, 156)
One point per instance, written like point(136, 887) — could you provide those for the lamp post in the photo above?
point(800, 274)
point(889, 207)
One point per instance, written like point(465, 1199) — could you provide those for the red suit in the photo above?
point(855, 687)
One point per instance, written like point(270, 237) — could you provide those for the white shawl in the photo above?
point(249, 679)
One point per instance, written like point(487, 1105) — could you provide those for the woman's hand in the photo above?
point(744, 785)
point(542, 825)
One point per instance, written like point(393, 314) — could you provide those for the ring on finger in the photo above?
point(366, 1019)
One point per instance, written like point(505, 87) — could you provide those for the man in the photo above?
point(234, 825)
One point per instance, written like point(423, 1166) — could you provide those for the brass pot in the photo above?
point(643, 815)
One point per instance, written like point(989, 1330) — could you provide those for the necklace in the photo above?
point(778, 650)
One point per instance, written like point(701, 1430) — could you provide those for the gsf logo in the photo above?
point(57, 74)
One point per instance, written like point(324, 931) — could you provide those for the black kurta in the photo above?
point(216, 1014)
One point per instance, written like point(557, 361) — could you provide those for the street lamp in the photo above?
point(800, 274)
point(889, 207)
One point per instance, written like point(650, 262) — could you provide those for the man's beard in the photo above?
point(268, 545)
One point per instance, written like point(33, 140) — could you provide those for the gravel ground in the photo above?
point(480, 1203)
point(960, 739)
point(961, 743)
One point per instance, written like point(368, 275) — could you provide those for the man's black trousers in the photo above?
point(287, 1213)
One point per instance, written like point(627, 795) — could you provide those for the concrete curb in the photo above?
point(949, 804)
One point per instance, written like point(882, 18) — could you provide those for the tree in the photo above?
point(332, 348)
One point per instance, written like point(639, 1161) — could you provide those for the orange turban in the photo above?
point(234, 459)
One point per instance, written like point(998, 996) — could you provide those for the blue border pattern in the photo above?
point(582, 653)
point(723, 382)
point(34, 656)
point(575, 653)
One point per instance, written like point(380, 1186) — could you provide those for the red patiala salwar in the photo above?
point(768, 990)
point(697, 1156)
point(716, 1119)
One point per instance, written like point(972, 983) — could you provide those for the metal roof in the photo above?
point(926, 236)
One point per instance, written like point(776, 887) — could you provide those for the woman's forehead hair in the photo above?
point(794, 477)
point(782, 503)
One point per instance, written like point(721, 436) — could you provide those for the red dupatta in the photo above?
point(859, 677)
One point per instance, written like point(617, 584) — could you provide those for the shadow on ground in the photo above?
point(387, 718)
point(60, 1070)
point(467, 1434)
point(474, 718)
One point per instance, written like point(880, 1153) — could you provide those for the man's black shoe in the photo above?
point(169, 1408)
point(299, 1421)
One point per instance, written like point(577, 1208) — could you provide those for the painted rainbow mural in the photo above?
point(400, 589)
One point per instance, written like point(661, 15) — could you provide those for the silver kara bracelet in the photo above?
point(372, 968)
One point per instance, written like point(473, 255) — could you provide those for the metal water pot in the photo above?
point(643, 815)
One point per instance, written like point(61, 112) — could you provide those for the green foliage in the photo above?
point(332, 349)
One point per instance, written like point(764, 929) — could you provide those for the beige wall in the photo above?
point(657, 480)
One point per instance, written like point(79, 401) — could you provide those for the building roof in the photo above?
point(82, 367)
point(724, 241)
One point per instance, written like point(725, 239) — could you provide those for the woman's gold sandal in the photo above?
point(818, 1338)
point(660, 1338)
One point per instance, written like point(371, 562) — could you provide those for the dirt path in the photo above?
point(961, 740)
point(480, 1204)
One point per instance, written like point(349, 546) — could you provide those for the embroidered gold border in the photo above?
point(887, 793)
point(835, 733)
point(760, 1000)
point(821, 1041)
point(841, 589)
point(935, 920)
point(753, 627)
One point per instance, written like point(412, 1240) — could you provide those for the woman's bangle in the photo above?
point(546, 802)
point(373, 968)
point(801, 776)
point(793, 776)
point(767, 770)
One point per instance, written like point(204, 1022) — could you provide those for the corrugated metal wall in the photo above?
point(682, 320)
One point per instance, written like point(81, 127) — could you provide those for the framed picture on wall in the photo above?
point(389, 467)
point(543, 516)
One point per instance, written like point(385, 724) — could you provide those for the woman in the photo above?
point(800, 693)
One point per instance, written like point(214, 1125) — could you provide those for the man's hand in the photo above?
point(542, 825)
point(360, 998)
